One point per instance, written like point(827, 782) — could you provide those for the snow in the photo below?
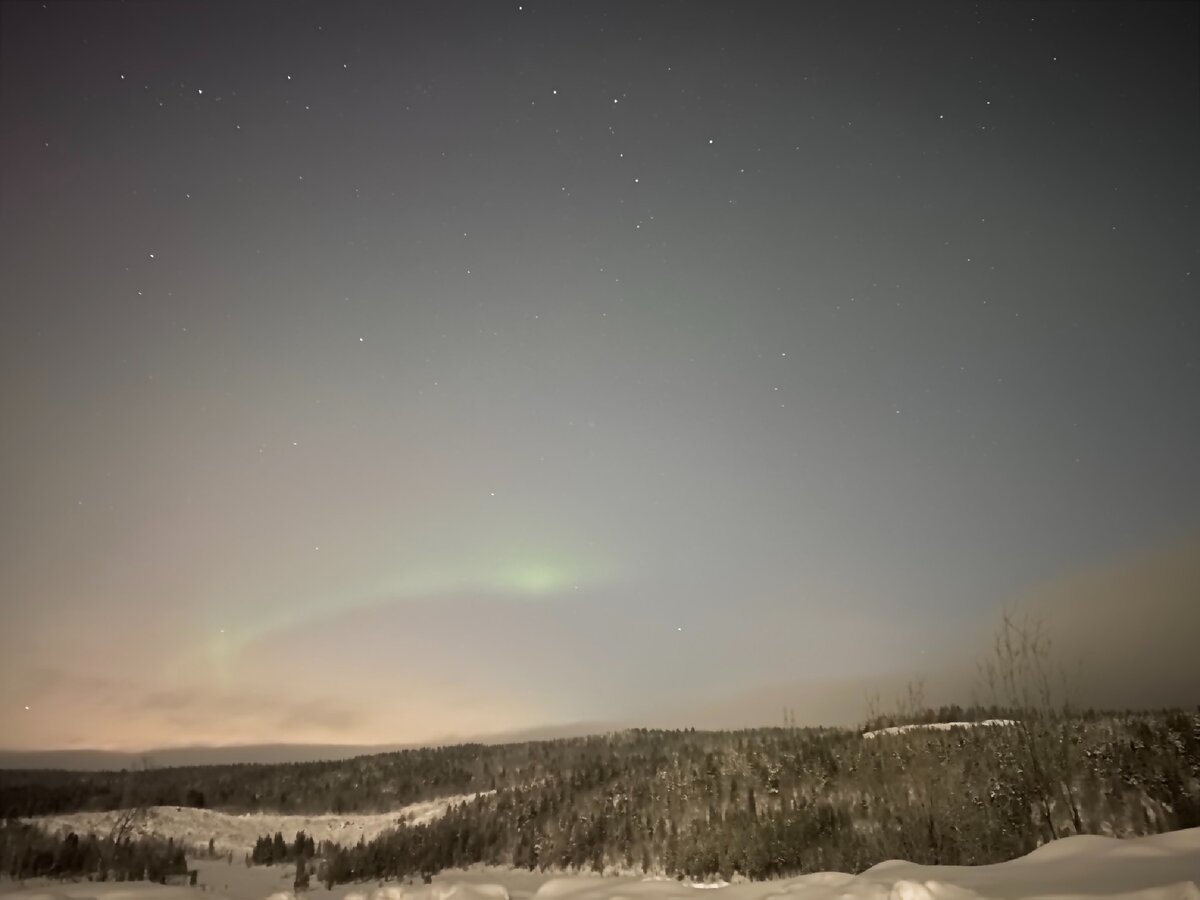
point(1087, 867)
point(936, 726)
point(195, 827)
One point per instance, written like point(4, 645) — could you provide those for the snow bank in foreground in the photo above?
point(936, 726)
point(1161, 867)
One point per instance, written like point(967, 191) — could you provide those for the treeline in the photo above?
point(772, 802)
point(376, 783)
point(759, 802)
point(268, 851)
point(28, 852)
point(950, 713)
point(609, 836)
point(972, 713)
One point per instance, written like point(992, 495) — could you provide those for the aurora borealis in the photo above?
point(385, 372)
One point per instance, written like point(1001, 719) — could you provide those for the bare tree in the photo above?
point(1018, 675)
point(135, 808)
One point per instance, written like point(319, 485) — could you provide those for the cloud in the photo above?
point(1124, 632)
point(45, 680)
point(1124, 635)
point(198, 710)
point(121, 712)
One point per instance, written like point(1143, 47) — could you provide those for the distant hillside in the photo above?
point(208, 830)
point(761, 802)
point(84, 760)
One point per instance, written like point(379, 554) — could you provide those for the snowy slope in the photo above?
point(195, 827)
point(1160, 867)
point(936, 726)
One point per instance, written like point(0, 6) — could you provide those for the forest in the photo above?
point(29, 852)
point(770, 803)
point(758, 803)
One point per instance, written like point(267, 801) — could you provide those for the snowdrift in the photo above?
point(937, 726)
point(1160, 867)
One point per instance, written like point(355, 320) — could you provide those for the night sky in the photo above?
point(384, 372)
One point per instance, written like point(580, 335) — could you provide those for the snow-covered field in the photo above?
point(936, 726)
point(1161, 867)
point(195, 827)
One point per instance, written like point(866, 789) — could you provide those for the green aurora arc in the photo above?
point(525, 575)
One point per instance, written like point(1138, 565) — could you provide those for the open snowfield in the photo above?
point(937, 726)
point(195, 827)
point(1160, 867)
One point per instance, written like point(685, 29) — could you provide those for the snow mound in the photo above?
point(1085, 867)
point(929, 890)
point(936, 726)
point(471, 892)
point(444, 890)
point(87, 890)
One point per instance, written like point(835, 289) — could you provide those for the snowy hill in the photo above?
point(936, 726)
point(760, 804)
point(1159, 867)
point(195, 827)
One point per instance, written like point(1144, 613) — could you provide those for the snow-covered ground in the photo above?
point(1161, 867)
point(936, 726)
point(195, 827)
